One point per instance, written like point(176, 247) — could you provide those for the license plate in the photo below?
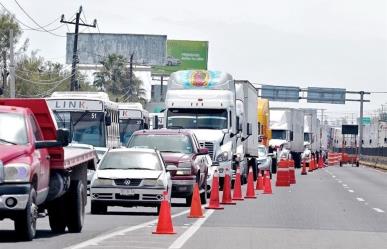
point(127, 192)
point(221, 170)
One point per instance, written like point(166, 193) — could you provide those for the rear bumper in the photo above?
point(19, 193)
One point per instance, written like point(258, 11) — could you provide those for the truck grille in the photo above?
point(124, 182)
point(210, 147)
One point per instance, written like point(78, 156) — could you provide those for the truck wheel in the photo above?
point(25, 222)
point(98, 208)
point(76, 208)
point(56, 215)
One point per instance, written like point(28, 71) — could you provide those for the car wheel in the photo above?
point(25, 222)
point(98, 208)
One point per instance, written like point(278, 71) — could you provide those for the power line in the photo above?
point(33, 20)
point(43, 83)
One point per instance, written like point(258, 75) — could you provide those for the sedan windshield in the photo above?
point(135, 160)
point(164, 143)
point(13, 129)
point(197, 119)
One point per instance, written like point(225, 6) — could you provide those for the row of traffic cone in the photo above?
point(164, 224)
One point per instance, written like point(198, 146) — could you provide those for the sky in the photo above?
point(319, 43)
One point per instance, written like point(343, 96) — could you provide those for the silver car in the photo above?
point(130, 178)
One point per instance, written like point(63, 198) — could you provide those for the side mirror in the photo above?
point(62, 139)
point(108, 120)
point(203, 151)
point(225, 131)
point(171, 167)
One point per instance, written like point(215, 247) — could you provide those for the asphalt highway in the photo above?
point(335, 207)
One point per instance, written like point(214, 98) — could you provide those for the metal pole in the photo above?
point(74, 85)
point(4, 69)
point(361, 123)
point(161, 88)
point(12, 90)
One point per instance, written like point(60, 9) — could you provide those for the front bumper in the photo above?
point(222, 167)
point(183, 188)
point(128, 197)
point(20, 193)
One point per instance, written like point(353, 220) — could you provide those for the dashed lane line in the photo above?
point(378, 210)
point(350, 190)
point(179, 242)
point(360, 199)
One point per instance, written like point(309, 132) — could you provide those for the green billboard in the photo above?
point(183, 55)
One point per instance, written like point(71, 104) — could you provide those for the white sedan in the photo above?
point(264, 160)
point(129, 178)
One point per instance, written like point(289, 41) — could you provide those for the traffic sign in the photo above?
point(326, 95)
point(366, 120)
point(280, 93)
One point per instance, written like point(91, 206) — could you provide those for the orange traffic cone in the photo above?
point(303, 172)
point(237, 194)
point(267, 189)
point(164, 223)
point(320, 162)
point(310, 165)
point(260, 182)
point(226, 198)
point(196, 207)
point(214, 198)
point(250, 193)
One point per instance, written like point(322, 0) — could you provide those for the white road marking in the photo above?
point(340, 181)
point(334, 176)
point(179, 242)
point(378, 210)
point(359, 199)
point(345, 185)
point(350, 190)
point(98, 239)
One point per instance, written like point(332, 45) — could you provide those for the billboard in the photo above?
point(94, 47)
point(280, 93)
point(349, 129)
point(326, 95)
point(183, 55)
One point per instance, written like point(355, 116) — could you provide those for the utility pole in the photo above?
point(361, 123)
point(12, 90)
point(77, 23)
point(5, 73)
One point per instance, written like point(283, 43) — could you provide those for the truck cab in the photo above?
point(36, 172)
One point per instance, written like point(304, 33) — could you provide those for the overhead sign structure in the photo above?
point(350, 129)
point(280, 93)
point(94, 47)
point(183, 55)
point(326, 95)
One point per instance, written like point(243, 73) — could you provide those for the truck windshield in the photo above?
point(197, 119)
point(164, 143)
point(278, 134)
point(85, 127)
point(13, 129)
point(307, 137)
point(127, 127)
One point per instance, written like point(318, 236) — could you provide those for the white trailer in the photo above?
point(287, 126)
point(311, 129)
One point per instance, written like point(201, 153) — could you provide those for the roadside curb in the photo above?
point(374, 165)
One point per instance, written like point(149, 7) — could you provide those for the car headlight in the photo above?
point(102, 182)
point(152, 182)
point(222, 157)
point(16, 172)
point(184, 168)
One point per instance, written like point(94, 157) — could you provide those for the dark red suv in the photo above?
point(182, 149)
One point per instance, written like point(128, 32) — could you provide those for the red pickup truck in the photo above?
point(37, 173)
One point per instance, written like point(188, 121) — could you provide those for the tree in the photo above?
point(115, 80)
point(7, 23)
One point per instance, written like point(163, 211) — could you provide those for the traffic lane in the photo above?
point(314, 213)
point(95, 225)
point(365, 184)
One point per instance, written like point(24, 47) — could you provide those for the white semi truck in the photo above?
point(311, 129)
point(219, 111)
point(287, 127)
